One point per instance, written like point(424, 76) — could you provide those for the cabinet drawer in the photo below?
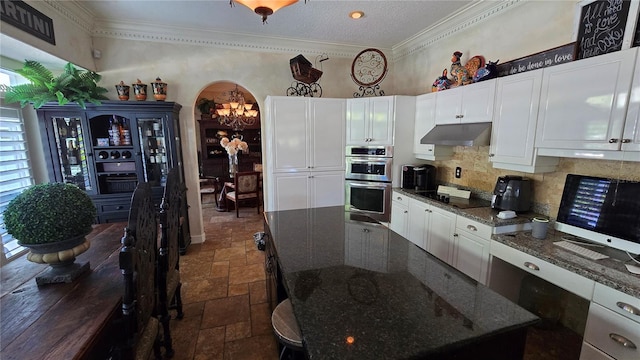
point(619, 302)
point(400, 198)
point(114, 207)
point(614, 334)
point(588, 352)
point(554, 274)
point(473, 227)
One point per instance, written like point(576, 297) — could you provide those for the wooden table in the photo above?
point(61, 321)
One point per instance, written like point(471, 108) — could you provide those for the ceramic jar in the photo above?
point(140, 90)
point(159, 89)
point(123, 91)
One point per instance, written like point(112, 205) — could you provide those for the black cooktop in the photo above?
point(458, 202)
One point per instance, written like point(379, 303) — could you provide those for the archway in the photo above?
point(213, 160)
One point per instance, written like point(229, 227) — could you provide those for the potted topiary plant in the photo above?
point(52, 220)
point(72, 85)
point(206, 107)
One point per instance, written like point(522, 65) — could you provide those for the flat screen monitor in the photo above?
point(601, 210)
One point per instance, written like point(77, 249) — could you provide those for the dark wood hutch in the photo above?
point(214, 161)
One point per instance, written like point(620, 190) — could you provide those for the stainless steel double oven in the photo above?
point(368, 181)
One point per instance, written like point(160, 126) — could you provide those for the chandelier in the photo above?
point(236, 113)
point(265, 8)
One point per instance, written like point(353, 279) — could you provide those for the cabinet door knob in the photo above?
point(626, 141)
point(629, 308)
point(472, 228)
point(399, 198)
point(119, 207)
point(531, 266)
point(365, 230)
point(492, 155)
point(622, 340)
point(406, 211)
point(613, 141)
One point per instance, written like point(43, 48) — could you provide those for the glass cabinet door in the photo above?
point(155, 161)
point(72, 155)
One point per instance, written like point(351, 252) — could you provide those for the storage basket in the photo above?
point(121, 184)
point(302, 71)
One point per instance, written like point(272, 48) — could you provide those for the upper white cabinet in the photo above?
point(514, 125)
point(370, 121)
point(306, 134)
point(425, 120)
point(631, 134)
point(466, 104)
point(583, 105)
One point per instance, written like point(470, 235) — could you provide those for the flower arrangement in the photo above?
point(232, 146)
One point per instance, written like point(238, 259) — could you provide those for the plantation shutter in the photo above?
point(15, 173)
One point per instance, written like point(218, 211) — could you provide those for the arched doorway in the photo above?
point(213, 159)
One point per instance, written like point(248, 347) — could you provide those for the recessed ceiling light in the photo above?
point(356, 15)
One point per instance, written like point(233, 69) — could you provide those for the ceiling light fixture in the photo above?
point(265, 8)
point(356, 15)
point(236, 113)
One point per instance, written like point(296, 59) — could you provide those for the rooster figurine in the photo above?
point(463, 75)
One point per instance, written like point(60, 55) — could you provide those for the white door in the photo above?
point(472, 256)
point(424, 121)
point(514, 125)
point(289, 134)
point(357, 121)
point(449, 106)
point(583, 103)
point(327, 137)
point(381, 120)
point(477, 102)
point(399, 218)
point(441, 230)
point(327, 189)
point(631, 135)
point(291, 191)
point(419, 216)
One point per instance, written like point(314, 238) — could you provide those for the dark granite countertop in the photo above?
point(610, 272)
point(349, 278)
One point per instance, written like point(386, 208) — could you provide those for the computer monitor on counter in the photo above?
point(601, 210)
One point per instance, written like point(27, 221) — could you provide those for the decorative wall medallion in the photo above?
point(368, 70)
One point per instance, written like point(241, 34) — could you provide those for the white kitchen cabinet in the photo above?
point(466, 104)
point(425, 121)
point(303, 190)
point(370, 121)
point(631, 134)
point(471, 243)
point(588, 352)
point(367, 246)
point(514, 125)
point(583, 103)
point(419, 223)
point(305, 147)
point(442, 226)
point(399, 213)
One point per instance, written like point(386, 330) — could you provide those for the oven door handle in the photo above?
point(369, 185)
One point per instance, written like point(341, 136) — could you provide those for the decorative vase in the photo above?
point(140, 90)
point(60, 256)
point(123, 91)
point(159, 89)
point(233, 165)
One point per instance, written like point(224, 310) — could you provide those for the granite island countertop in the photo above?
point(350, 279)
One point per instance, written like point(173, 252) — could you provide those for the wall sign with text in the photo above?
point(602, 27)
point(543, 59)
point(27, 19)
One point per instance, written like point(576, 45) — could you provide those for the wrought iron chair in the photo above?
point(169, 284)
point(245, 188)
point(138, 265)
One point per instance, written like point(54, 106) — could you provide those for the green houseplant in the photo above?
point(205, 106)
point(52, 220)
point(72, 85)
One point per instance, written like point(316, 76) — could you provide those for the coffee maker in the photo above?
point(419, 177)
point(512, 193)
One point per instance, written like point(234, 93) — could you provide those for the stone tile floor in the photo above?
point(226, 315)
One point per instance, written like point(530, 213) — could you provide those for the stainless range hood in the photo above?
point(474, 134)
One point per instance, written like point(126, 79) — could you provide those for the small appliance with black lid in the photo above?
point(512, 193)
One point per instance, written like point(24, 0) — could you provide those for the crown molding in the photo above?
point(474, 14)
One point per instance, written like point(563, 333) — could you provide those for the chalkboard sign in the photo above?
point(543, 59)
point(636, 37)
point(601, 27)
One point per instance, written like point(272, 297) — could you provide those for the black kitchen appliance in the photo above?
point(512, 193)
point(425, 177)
point(408, 177)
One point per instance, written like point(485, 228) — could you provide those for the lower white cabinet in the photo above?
point(442, 226)
point(308, 190)
point(399, 214)
point(367, 246)
point(471, 244)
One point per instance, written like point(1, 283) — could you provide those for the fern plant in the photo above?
point(72, 85)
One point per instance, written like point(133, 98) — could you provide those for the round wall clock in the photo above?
point(369, 67)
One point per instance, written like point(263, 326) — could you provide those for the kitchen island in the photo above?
point(361, 291)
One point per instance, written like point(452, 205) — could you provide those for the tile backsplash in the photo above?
point(479, 174)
